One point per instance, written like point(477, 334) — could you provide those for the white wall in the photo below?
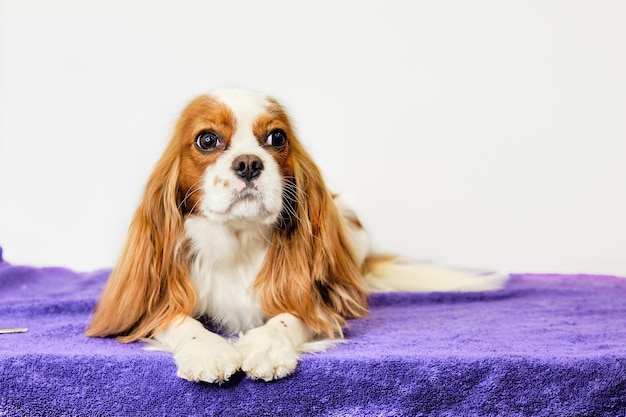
point(482, 133)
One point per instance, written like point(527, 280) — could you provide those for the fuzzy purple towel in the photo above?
point(545, 345)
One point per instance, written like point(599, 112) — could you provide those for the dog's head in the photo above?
point(235, 159)
point(237, 150)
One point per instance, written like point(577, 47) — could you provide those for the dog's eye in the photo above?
point(277, 138)
point(208, 141)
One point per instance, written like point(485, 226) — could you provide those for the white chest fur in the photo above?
point(226, 260)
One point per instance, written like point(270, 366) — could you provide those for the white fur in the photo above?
point(271, 351)
point(225, 263)
point(199, 354)
point(359, 238)
point(400, 275)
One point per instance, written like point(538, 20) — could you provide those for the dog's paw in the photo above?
point(267, 354)
point(208, 358)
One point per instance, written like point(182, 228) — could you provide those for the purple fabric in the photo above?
point(545, 345)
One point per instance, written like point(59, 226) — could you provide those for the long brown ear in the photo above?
point(149, 287)
point(310, 269)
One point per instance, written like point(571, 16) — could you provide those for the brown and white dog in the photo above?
point(237, 228)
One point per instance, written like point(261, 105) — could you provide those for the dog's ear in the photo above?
point(149, 287)
point(310, 269)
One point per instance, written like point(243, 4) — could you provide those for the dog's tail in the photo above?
point(389, 273)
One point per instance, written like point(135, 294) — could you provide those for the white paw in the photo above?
point(267, 354)
point(207, 358)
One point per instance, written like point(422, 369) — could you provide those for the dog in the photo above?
point(238, 233)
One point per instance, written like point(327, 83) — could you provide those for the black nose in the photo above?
point(248, 167)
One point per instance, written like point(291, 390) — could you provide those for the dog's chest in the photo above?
point(223, 267)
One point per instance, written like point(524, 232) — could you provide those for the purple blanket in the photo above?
point(545, 345)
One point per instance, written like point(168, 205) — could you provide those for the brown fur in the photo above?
point(310, 270)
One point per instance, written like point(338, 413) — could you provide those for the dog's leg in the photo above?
point(199, 354)
point(271, 351)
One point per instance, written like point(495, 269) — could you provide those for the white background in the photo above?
point(481, 134)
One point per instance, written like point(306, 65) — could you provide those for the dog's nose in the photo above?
point(248, 167)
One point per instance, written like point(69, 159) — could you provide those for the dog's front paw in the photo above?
point(207, 358)
point(267, 354)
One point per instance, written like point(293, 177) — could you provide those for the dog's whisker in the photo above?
point(193, 208)
point(195, 187)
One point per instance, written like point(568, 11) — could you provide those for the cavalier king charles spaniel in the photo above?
point(237, 232)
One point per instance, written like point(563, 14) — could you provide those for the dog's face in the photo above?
point(236, 158)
